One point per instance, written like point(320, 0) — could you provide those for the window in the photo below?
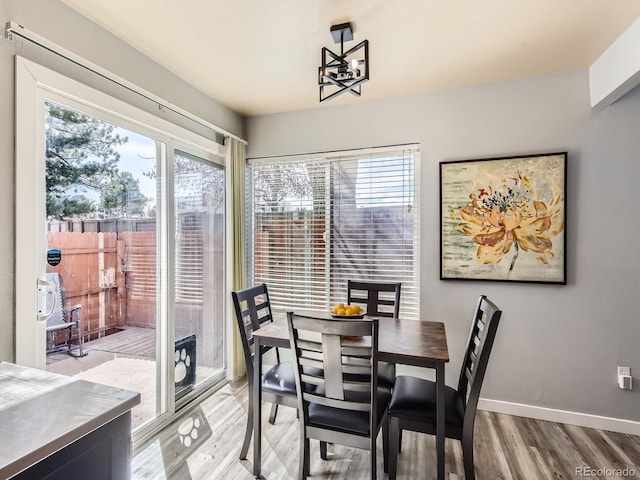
point(315, 222)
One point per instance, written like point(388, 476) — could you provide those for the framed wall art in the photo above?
point(503, 219)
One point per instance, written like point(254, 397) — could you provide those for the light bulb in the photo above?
point(354, 64)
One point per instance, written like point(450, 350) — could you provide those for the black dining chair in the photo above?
point(332, 408)
point(376, 298)
point(253, 310)
point(413, 403)
point(381, 300)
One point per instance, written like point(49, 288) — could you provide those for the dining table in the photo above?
point(418, 343)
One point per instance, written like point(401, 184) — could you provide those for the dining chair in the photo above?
point(332, 408)
point(377, 298)
point(413, 403)
point(381, 300)
point(253, 309)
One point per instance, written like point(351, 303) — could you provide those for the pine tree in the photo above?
point(80, 152)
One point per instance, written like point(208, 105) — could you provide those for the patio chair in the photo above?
point(62, 319)
point(413, 403)
point(333, 408)
point(253, 309)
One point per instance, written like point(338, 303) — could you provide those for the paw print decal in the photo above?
point(182, 362)
point(188, 430)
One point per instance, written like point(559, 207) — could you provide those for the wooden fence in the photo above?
point(111, 275)
point(91, 272)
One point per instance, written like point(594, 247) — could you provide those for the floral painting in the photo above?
point(504, 219)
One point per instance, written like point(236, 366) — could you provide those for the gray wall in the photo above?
point(56, 22)
point(558, 346)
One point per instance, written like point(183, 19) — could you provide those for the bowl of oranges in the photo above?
point(347, 311)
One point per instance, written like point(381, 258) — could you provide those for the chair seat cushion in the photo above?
point(348, 420)
point(280, 379)
point(415, 399)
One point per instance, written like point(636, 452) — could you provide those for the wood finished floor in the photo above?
point(205, 442)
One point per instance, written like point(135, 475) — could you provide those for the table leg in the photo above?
point(257, 408)
point(440, 424)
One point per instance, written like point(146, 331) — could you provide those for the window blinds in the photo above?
point(316, 222)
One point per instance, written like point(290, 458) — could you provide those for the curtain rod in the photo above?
point(327, 152)
point(13, 29)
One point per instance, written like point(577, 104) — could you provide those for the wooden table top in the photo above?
point(407, 342)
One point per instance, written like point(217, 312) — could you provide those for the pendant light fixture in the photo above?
point(347, 71)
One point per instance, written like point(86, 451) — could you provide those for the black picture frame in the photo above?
point(504, 219)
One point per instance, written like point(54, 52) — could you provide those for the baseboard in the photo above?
point(561, 416)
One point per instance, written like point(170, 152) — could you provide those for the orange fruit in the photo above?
point(341, 311)
point(348, 311)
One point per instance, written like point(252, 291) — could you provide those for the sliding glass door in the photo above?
point(121, 225)
point(102, 241)
point(199, 192)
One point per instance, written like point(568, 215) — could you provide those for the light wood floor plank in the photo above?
point(544, 453)
point(506, 448)
point(520, 462)
point(489, 455)
point(589, 449)
point(627, 456)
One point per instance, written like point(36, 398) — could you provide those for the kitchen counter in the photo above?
point(57, 426)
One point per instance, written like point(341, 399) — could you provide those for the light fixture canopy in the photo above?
point(346, 72)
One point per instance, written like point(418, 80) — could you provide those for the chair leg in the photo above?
point(374, 458)
point(400, 441)
point(323, 450)
point(303, 467)
point(249, 431)
point(80, 342)
point(394, 431)
point(385, 445)
point(81, 352)
point(274, 412)
point(69, 331)
point(467, 455)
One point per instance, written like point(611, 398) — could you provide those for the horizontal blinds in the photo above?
point(315, 223)
point(199, 197)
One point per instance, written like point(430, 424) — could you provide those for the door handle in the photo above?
point(43, 287)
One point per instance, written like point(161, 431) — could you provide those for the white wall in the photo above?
point(557, 346)
point(56, 22)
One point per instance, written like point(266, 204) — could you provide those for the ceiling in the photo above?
point(262, 56)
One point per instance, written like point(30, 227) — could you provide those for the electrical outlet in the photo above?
point(624, 378)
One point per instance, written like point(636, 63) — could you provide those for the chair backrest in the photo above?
point(58, 317)
point(483, 331)
point(380, 299)
point(253, 309)
point(324, 351)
